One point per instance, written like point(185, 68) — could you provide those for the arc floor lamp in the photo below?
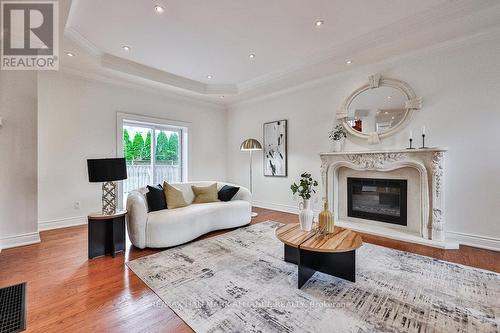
point(251, 145)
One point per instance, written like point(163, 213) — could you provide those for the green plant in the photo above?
point(338, 133)
point(305, 187)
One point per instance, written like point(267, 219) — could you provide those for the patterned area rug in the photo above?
point(238, 282)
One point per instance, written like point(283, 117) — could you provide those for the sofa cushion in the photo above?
point(227, 192)
point(156, 198)
point(205, 194)
point(174, 196)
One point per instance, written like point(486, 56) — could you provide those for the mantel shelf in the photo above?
point(385, 151)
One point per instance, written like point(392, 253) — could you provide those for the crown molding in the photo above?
point(388, 37)
point(147, 87)
point(440, 23)
point(146, 72)
point(292, 86)
point(153, 74)
point(133, 68)
point(73, 35)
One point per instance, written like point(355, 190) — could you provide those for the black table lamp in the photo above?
point(107, 171)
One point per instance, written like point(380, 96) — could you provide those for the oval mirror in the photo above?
point(377, 110)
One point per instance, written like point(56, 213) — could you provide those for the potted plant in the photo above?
point(337, 136)
point(304, 189)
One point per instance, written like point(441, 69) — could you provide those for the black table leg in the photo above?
point(304, 274)
point(291, 254)
point(119, 234)
point(113, 247)
point(339, 264)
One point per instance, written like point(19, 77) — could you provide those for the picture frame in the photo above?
point(275, 148)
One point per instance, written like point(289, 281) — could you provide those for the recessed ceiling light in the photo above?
point(386, 112)
point(319, 23)
point(70, 54)
point(221, 97)
point(159, 9)
point(392, 118)
point(349, 62)
point(389, 97)
point(126, 47)
point(209, 76)
point(251, 55)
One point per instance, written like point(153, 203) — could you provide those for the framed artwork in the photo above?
point(275, 149)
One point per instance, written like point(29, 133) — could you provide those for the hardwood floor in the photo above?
point(69, 293)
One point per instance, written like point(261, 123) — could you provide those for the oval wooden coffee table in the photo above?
point(333, 254)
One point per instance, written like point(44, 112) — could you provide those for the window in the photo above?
point(155, 152)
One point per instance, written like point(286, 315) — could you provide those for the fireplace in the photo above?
point(376, 199)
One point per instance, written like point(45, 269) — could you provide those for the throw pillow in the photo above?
point(227, 192)
point(155, 198)
point(205, 194)
point(174, 196)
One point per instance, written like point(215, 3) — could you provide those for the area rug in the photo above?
point(238, 282)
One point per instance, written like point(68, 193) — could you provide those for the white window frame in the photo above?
point(154, 124)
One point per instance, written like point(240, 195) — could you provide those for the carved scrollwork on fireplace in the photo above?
point(375, 160)
point(437, 171)
point(437, 219)
point(427, 186)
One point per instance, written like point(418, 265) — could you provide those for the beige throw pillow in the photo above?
point(175, 198)
point(205, 194)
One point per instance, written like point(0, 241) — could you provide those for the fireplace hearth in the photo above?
point(383, 200)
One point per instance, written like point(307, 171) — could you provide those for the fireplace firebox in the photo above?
point(376, 199)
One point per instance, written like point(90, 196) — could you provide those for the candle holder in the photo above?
point(411, 144)
point(423, 142)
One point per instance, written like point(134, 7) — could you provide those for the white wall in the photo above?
point(460, 85)
point(18, 155)
point(77, 120)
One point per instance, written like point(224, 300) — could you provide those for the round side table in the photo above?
point(106, 233)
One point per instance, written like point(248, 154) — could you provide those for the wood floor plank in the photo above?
point(69, 293)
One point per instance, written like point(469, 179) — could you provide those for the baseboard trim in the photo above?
point(20, 240)
point(62, 223)
point(275, 206)
point(483, 242)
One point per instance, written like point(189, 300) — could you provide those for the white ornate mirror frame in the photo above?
point(413, 102)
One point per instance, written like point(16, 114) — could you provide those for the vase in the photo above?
point(326, 220)
point(305, 215)
point(338, 145)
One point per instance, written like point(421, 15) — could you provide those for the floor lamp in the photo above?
point(251, 145)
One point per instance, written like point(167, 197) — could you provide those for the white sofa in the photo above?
point(170, 227)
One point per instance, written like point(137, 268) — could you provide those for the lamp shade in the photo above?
point(250, 144)
point(106, 169)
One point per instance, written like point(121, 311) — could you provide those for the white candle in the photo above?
point(411, 134)
point(423, 130)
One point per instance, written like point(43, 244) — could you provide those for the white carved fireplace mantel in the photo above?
point(428, 162)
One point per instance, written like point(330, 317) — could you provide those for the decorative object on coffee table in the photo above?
point(333, 254)
point(106, 233)
point(251, 145)
point(338, 136)
point(305, 188)
point(107, 171)
point(275, 149)
point(325, 220)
